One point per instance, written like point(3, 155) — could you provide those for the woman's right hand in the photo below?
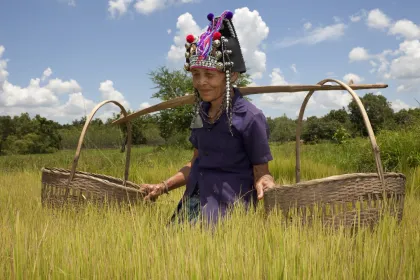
point(153, 191)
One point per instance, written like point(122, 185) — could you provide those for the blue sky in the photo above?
point(59, 58)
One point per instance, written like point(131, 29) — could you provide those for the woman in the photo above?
point(229, 134)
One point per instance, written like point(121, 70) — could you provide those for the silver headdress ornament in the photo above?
point(216, 49)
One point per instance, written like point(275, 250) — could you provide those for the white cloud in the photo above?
point(355, 78)
point(3, 66)
point(398, 105)
point(358, 16)
point(400, 88)
point(185, 25)
point(59, 87)
point(377, 19)
point(406, 28)
point(47, 73)
point(293, 67)
point(169, 31)
point(307, 25)
point(317, 35)
point(30, 96)
point(150, 6)
point(71, 3)
point(358, 53)
point(277, 78)
point(144, 105)
point(43, 99)
point(118, 7)
point(407, 66)
point(320, 103)
point(251, 31)
point(109, 92)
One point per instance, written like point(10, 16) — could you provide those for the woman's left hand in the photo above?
point(264, 183)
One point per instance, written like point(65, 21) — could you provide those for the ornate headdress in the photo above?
point(216, 49)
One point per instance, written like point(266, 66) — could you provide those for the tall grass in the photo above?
point(136, 242)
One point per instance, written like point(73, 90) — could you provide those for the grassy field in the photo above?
point(136, 243)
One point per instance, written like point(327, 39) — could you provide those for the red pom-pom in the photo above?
point(217, 35)
point(190, 38)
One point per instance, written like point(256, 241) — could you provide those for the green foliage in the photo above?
point(379, 111)
point(341, 136)
point(23, 135)
point(282, 129)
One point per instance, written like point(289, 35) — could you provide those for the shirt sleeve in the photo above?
point(193, 138)
point(256, 136)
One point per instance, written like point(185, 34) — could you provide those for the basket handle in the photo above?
point(82, 137)
point(375, 147)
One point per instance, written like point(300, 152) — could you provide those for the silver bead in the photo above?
point(187, 54)
point(218, 54)
point(187, 66)
point(187, 45)
point(216, 43)
point(219, 66)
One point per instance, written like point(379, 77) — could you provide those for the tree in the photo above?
point(379, 111)
point(6, 128)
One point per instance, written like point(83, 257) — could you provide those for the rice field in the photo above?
point(136, 243)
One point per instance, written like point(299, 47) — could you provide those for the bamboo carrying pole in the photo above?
point(189, 98)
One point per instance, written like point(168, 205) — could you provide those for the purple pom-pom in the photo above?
point(229, 15)
point(210, 17)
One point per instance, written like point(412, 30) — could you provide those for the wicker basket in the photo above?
point(63, 186)
point(349, 199)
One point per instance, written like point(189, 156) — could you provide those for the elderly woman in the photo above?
point(229, 134)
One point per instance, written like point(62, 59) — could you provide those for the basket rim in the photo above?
point(93, 176)
point(334, 178)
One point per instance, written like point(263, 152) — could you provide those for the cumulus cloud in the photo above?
point(358, 53)
point(307, 26)
point(185, 25)
point(118, 7)
point(47, 73)
point(316, 35)
point(320, 103)
point(293, 67)
point(41, 96)
point(144, 105)
point(150, 6)
point(109, 92)
point(406, 28)
point(377, 19)
point(71, 3)
point(59, 86)
point(358, 16)
point(352, 77)
point(251, 31)
point(398, 105)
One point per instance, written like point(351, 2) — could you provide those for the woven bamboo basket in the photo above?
point(345, 200)
point(63, 186)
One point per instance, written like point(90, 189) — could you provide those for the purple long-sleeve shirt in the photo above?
point(224, 167)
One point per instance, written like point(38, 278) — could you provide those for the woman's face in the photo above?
point(211, 84)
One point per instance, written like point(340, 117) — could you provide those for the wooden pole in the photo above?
point(189, 98)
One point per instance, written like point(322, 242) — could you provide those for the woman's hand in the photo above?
point(264, 183)
point(153, 191)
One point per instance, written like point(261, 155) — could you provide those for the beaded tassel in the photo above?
point(228, 101)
